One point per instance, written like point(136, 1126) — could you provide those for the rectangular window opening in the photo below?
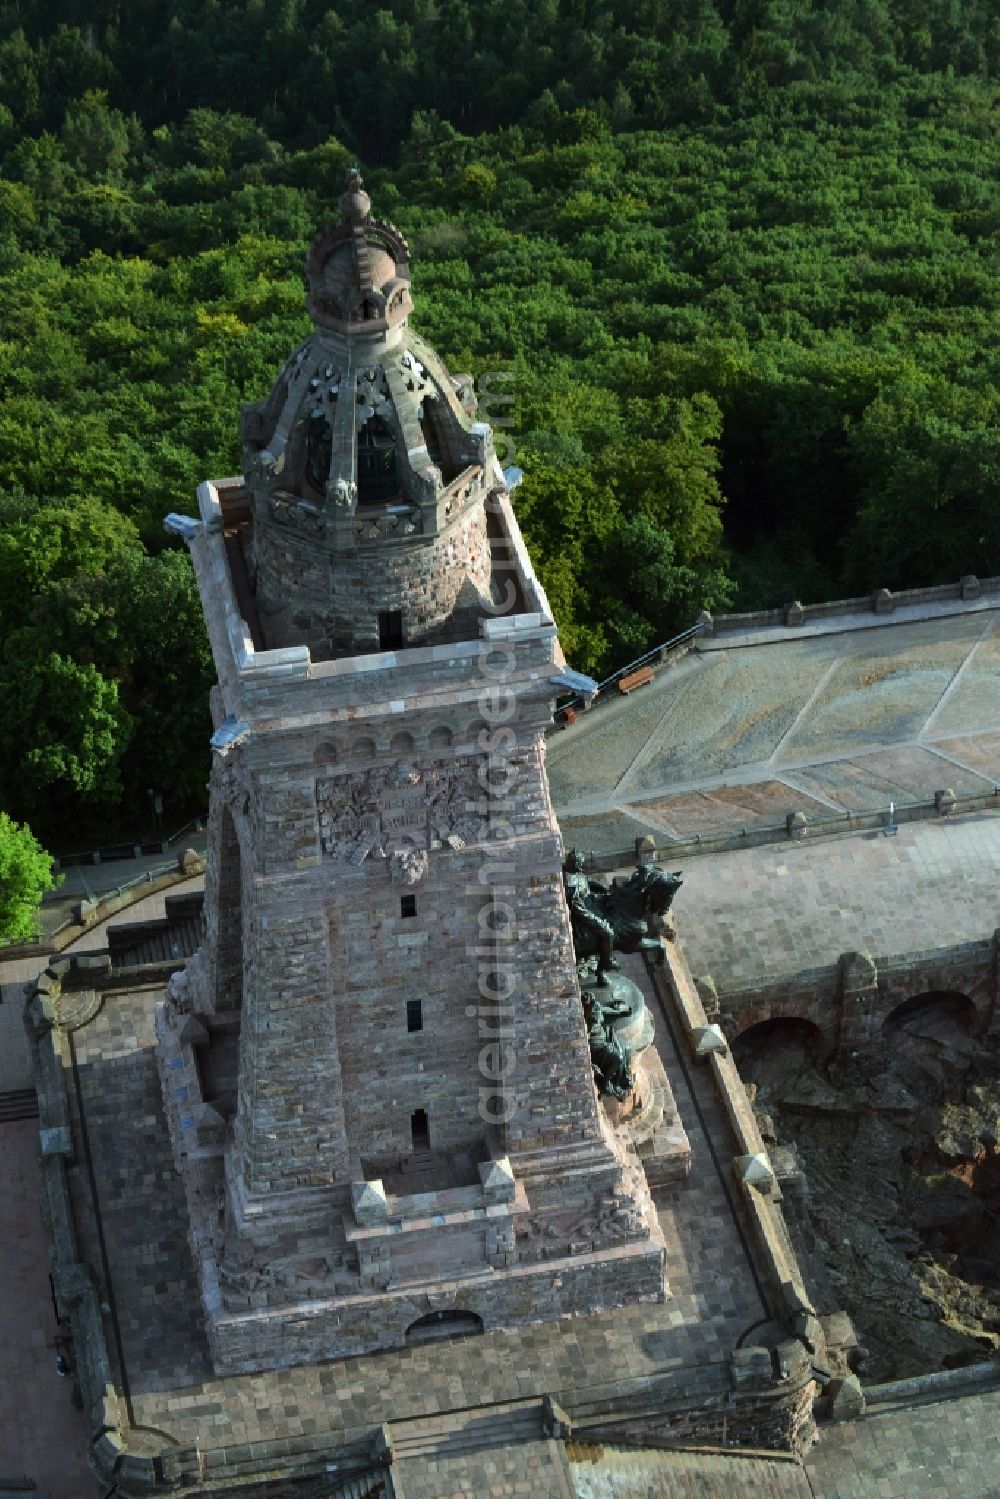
point(420, 1130)
point(407, 905)
point(414, 1015)
point(390, 630)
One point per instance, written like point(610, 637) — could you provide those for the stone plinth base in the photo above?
point(647, 1120)
point(656, 1132)
point(347, 1326)
point(352, 1269)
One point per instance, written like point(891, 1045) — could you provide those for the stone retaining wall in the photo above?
point(849, 1002)
point(88, 914)
point(882, 601)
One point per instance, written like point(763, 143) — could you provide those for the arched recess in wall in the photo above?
point(444, 1324)
point(229, 969)
point(776, 1049)
point(362, 751)
point(401, 744)
point(936, 1013)
point(440, 737)
point(327, 753)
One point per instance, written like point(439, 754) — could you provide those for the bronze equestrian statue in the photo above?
point(625, 915)
point(616, 916)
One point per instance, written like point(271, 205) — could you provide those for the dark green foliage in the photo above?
point(738, 256)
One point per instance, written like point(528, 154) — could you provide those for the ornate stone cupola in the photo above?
point(365, 465)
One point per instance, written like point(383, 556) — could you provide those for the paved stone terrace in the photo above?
point(41, 1435)
point(737, 735)
point(759, 913)
point(170, 1385)
point(925, 1451)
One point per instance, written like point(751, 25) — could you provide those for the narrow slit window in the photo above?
point(407, 905)
point(390, 630)
point(414, 1015)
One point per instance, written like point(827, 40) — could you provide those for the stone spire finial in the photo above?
point(355, 204)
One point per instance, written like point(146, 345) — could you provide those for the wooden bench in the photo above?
point(635, 679)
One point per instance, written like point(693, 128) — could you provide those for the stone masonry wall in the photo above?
point(290, 1122)
point(339, 596)
point(850, 1002)
point(381, 961)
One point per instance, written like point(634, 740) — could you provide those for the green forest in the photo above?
point(737, 258)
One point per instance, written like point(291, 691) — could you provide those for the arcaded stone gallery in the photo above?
point(389, 1117)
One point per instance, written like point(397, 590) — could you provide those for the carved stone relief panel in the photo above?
point(418, 805)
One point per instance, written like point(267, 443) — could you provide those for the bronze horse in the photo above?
point(627, 907)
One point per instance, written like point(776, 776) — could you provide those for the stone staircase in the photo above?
point(465, 1431)
point(601, 1472)
point(368, 1486)
point(170, 940)
point(19, 1103)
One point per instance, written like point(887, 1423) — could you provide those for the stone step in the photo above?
point(468, 1431)
point(368, 1486)
point(19, 1103)
point(167, 940)
point(684, 1475)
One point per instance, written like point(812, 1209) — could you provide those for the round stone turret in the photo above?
point(366, 467)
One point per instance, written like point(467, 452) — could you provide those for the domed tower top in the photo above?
point(366, 467)
point(359, 272)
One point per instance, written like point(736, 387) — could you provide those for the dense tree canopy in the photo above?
point(737, 257)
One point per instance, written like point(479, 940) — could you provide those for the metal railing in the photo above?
point(112, 853)
point(657, 653)
point(146, 878)
point(885, 820)
point(196, 825)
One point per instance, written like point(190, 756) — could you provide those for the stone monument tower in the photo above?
point(376, 1068)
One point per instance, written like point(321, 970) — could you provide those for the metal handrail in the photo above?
point(637, 664)
point(841, 822)
point(146, 878)
point(197, 823)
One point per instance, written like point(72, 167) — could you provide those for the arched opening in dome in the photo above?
point(378, 469)
point(319, 449)
point(440, 448)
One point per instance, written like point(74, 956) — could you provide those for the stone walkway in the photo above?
point(715, 1298)
point(617, 1473)
point(41, 1435)
point(761, 913)
point(531, 1470)
point(928, 1451)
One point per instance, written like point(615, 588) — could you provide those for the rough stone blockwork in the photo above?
point(389, 1110)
